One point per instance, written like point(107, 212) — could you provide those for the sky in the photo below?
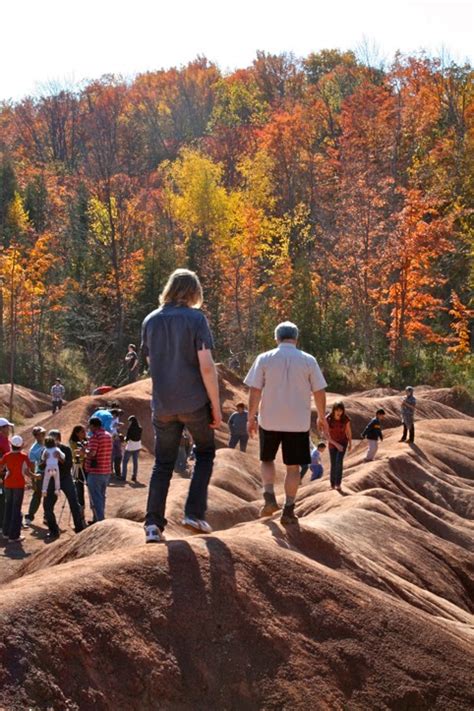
point(67, 41)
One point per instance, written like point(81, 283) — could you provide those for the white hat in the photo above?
point(4, 421)
point(17, 441)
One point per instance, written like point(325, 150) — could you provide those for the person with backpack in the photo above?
point(17, 468)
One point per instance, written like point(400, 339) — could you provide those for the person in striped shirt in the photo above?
point(98, 466)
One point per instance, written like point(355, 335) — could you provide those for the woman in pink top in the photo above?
point(340, 441)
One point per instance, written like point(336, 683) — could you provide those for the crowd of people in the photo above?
point(93, 455)
point(177, 344)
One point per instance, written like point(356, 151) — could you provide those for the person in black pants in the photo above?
point(69, 489)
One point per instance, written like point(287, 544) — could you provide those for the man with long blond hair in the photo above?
point(177, 342)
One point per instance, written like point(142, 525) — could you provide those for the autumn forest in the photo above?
point(324, 190)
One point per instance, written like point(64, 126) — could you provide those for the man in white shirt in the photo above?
point(281, 381)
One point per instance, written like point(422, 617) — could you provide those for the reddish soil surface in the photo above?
point(366, 604)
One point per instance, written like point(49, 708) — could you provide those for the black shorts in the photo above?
point(295, 446)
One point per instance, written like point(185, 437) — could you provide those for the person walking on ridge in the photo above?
point(373, 433)
point(177, 343)
point(281, 381)
point(57, 395)
point(340, 441)
point(132, 363)
point(408, 415)
point(238, 428)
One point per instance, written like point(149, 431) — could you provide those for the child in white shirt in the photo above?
point(51, 457)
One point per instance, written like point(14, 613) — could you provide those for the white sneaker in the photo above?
point(197, 525)
point(153, 534)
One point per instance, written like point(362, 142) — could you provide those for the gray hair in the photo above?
point(285, 330)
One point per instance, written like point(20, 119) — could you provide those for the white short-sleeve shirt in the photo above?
point(287, 377)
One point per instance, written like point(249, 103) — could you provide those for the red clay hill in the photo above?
point(366, 604)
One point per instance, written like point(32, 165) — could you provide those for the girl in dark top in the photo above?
point(132, 447)
point(340, 441)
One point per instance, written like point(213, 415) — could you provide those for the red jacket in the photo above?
point(99, 453)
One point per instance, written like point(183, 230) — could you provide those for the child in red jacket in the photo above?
point(18, 467)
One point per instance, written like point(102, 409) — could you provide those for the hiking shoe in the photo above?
point(16, 540)
point(52, 535)
point(153, 534)
point(270, 505)
point(196, 525)
point(288, 515)
point(269, 508)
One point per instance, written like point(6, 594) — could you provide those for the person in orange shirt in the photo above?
point(18, 467)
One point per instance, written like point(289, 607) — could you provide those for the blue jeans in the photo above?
point(337, 460)
point(125, 460)
point(236, 439)
point(12, 517)
point(316, 471)
point(97, 484)
point(168, 431)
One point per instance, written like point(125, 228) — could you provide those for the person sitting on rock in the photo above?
point(408, 415)
point(373, 433)
point(316, 466)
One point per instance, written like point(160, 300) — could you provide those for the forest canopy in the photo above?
point(323, 190)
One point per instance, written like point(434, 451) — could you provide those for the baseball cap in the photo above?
point(17, 441)
point(37, 430)
point(4, 421)
point(408, 387)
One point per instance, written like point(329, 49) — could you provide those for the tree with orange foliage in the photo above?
point(419, 238)
point(460, 325)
